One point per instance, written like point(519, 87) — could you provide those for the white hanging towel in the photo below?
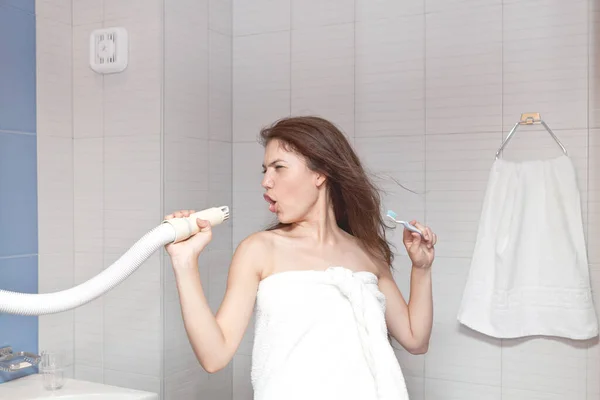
point(529, 272)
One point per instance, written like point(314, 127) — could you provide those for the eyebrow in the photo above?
point(273, 162)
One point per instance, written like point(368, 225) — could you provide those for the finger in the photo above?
point(429, 236)
point(407, 236)
point(203, 224)
point(416, 239)
point(434, 241)
point(170, 216)
point(423, 230)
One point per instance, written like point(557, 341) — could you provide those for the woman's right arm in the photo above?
point(215, 339)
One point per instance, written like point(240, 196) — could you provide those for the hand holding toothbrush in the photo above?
point(418, 240)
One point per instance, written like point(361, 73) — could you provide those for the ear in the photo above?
point(320, 179)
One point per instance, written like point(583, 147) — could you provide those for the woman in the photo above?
point(320, 279)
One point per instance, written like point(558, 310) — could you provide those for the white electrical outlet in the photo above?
point(108, 50)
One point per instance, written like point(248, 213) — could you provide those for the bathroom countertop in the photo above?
point(31, 388)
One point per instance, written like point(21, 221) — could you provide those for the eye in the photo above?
point(278, 166)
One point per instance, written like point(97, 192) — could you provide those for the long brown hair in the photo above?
point(356, 200)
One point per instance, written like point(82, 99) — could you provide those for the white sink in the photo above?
point(31, 388)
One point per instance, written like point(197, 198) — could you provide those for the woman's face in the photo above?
point(291, 188)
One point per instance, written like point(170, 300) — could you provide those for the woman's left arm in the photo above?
point(410, 323)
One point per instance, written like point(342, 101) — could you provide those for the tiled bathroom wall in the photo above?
point(117, 153)
point(18, 173)
point(197, 170)
point(427, 90)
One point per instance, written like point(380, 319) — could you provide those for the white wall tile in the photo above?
point(132, 380)
point(247, 167)
point(518, 394)
point(143, 10)
point(54, 10)
point(186, 73)
point(186, 162)
point(87, 12)
point(448, 286)
point(186, 385)
point(220, 186)
point(242, 387)
point(458, 167)
point(461, 355)
point(390, 77)
point(88, 319)
point(131, 190)
point(433, 6)
point(220, 384)
point(186, 12)
point(323, 74)
point(220, 91)
point(55, 194)
point(593, 243)
point(415, 387)
point(436, 389)
point(552, 79)
point(594, 64)
point(559, 365)
point(55, 332)
point(132, 101)
point(307, 13)
point(218, 262)
point(261, 77)
point(251, 17)
point(87, 87)
point(54, 79)
point(464, 70)
point(593, 367)
point(88, 202)
point(221, 16)
point(132, 321)
point(369, 10)
point(89, 374)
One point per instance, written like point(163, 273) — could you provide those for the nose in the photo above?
point(267, 182)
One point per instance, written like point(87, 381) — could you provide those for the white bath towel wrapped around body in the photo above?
point(321, 335)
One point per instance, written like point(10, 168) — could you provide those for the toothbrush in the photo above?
point(392, 215)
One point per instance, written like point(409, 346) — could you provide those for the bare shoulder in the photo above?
point(255, 245)
point(253, 252)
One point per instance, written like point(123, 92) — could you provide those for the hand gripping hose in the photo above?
point(170, 231)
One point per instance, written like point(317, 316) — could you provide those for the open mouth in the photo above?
point(272, 203)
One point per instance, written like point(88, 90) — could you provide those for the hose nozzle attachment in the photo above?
point(186, 227)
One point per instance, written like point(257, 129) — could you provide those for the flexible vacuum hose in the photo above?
point(170, 231)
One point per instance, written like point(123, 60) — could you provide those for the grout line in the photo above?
point(16, 256)
point(354, 79)
point(501, 140)
point(11, 132)
point(587, 216)
point(72, 76)
point(424, 153)
point(291, 59)
point(103, 314)
point(161, 261)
